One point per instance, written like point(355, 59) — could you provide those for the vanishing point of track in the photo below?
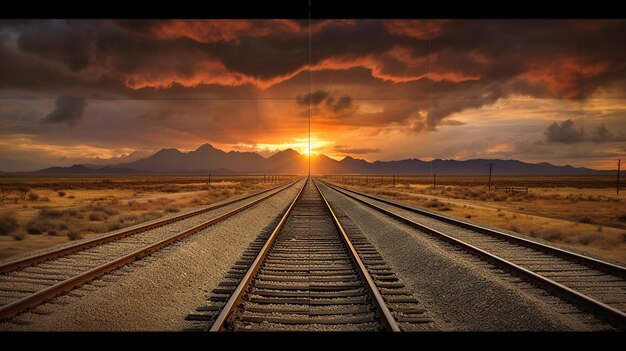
point(33, 280)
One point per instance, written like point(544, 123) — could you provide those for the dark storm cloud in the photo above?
point(67, 109)
point(566, 133)
point(314, 98)
point(467, 64)
point(563, 132)
point(340, 105)
point(323, 102)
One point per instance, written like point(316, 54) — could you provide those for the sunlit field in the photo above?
point(583, 213)
point(41, 211)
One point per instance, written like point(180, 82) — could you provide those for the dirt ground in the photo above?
point(571, 212)
point(42, 211)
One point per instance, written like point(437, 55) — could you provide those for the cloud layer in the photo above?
point(182, 82)
point(67, 109)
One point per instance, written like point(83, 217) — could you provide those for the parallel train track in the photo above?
point(594, 285)
point(30, 281)
point(312, 274)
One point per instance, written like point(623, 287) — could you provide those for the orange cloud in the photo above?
point(419, 29)
point(562, 75)
point(209, 31)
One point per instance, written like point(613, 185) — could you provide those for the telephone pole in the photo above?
point(619, 163)
point(490, 167)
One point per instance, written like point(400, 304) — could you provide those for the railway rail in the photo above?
point(311, 273)
point(30, 281)
point(596, 286)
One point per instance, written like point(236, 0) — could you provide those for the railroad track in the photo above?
point(31, 281)
point(312, 274)
point(595, 286)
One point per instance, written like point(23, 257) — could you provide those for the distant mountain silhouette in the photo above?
point(208, 159)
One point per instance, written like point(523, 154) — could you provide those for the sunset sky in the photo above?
point(541, 90)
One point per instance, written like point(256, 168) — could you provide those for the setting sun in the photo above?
point(299, 145)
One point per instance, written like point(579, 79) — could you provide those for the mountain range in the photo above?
point(208, 159)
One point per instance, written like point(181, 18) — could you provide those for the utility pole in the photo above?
point(394, 180)
point(490, 167)
point(209, 184)
point(434, 180)
point(619, 163)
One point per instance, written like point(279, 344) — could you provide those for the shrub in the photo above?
point(170, 190)
point(554, 235)
point(20, 235)
point(434, 203)
point(71, 197)
point(97, 216)
point(36, 226)
point(171, 209)
point(585, 219)
point(109, 211)
point(588, 238)
point(73, 213)
point(622, 218)
point(74, 235)
point(50, 213)
point(61, 193)
point(23, 191)
point(8, 224)
point(52, 232)
point(33, 196)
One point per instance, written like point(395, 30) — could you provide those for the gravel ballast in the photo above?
point(459, 290)
point(159, 291)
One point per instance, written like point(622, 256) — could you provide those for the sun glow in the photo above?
point(299, 145)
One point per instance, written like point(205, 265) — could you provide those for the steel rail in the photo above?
point(611, 314)
point(388, 321)
point(228, 313)
point(588, 261)
point(52, 291)
point(29, 261)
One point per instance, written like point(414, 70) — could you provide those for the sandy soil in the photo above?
point(157, 293)
point(460, 291)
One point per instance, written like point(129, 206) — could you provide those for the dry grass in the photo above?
point(573, 212)
point(51, 210)
point(8, 224)
point(33, 196)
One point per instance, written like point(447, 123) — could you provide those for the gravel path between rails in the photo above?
point(157, 293)
point(461, 291)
